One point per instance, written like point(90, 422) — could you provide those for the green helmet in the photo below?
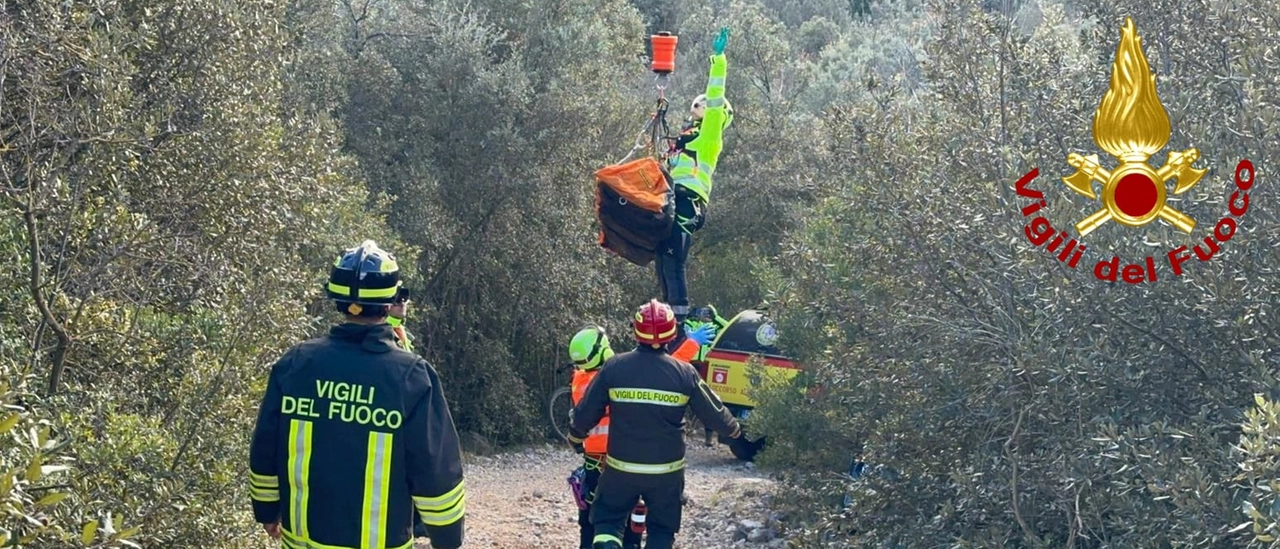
point(589, 348)
point(703, 315)
point(364, 275)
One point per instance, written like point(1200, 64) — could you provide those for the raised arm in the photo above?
point(710, 140)
point(713, 119)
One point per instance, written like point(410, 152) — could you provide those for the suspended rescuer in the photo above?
point(692, 166)
point(588, 349)
point(646, 392)
point(354, 435)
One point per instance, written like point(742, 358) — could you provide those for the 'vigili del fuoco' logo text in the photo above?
point(1131, 124)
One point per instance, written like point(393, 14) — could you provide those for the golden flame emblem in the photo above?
point(1132, 125)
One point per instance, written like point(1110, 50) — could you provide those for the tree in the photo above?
point(1070, 406)
point(172, 221)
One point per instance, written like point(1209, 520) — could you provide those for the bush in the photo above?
point(1000, 398)
point(39, 499)
point(1258, 451)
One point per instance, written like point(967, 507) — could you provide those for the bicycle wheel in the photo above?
point(558, 407)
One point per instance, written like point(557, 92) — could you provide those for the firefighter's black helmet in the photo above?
point(364, 275)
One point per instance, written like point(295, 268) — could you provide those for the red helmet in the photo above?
point(655, 323)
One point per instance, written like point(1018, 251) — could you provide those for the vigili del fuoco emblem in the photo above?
point(1131, 124)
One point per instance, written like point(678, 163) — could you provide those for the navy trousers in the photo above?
point(673, 254)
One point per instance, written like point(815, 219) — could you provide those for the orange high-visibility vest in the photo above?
point(687, 350)
point(402, 338)
point(597, 441)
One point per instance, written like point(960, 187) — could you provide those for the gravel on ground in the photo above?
point(521, 500)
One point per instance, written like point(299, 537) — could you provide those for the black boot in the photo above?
point(586, 533)
point(630, 538)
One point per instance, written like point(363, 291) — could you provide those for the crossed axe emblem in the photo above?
point(1131, 124)
point(1134, 194)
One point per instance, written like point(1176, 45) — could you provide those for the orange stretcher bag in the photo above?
point(635, 208)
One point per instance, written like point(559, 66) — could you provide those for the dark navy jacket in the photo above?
point(647, 392)
point(354, 436)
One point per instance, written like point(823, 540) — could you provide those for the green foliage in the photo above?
point(172, 220)
point(178, 175)
point(37, 507)
point(1011, 401)
point(1259, 447)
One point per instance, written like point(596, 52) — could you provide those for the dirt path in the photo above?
point(521, 500)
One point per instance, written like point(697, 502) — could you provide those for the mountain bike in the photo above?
point(559, 404)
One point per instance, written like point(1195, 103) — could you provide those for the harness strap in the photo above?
point(655, 129)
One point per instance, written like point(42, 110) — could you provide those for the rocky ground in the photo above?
point(521, 500)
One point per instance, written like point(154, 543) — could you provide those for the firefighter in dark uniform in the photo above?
point(646, 392)
point(354, 435)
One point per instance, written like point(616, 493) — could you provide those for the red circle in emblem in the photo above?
point(1136, 195)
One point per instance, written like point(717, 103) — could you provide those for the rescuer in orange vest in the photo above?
point(646, 393)
point(588, 349)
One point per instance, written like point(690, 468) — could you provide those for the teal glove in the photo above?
point(704, 335)
point(721, 41)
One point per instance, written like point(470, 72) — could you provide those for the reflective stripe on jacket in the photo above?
point(353, 436)
point(646, 393)
point(696, 174)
